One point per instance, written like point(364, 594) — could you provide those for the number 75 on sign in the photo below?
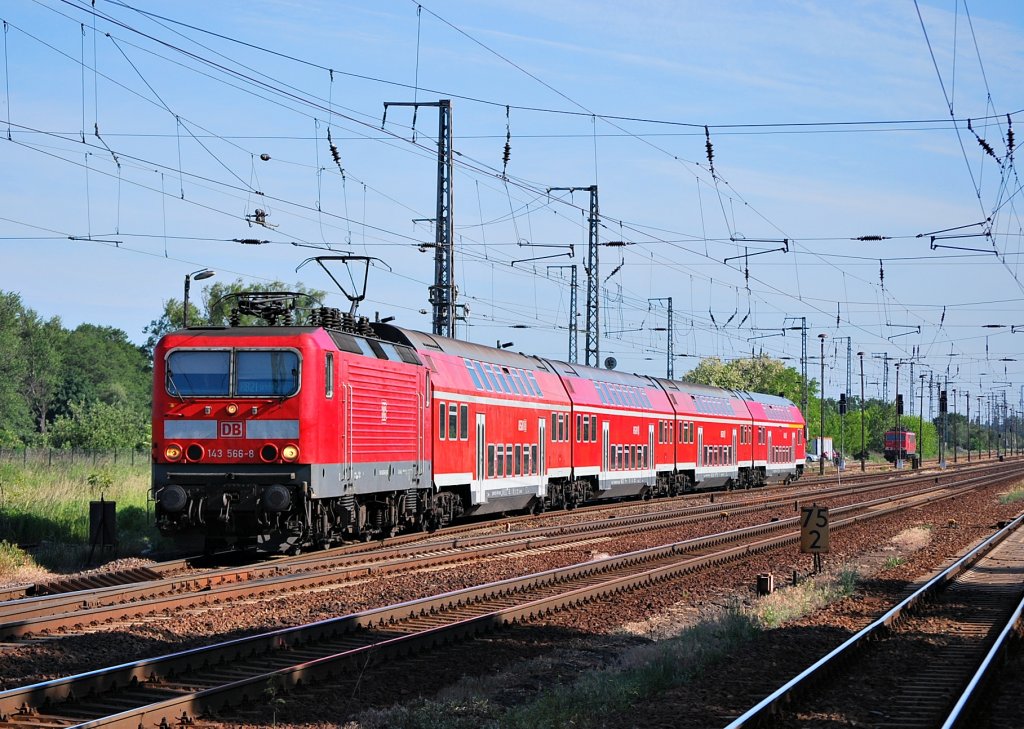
point(814, 533)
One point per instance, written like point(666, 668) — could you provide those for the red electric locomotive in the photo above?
point(282, 437)
point(899, 444)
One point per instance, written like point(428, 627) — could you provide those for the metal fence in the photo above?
point(61, 456)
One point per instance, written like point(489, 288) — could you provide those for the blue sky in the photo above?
point(613, 94)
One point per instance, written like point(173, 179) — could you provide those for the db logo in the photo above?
point(230, 429)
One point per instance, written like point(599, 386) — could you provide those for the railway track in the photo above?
point(100, 580)
point(179, 687)
point(923, 663)
point(43, 616)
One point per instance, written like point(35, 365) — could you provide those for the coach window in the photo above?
point(537, 466)
point(512, 383)
point(519, 459)
point(505, 386)
point(563, 427)
point(478, 369)
point(501, 460)
point(463, 422)
point(508, 459)
point(593, 429)
point(554, 427)
point(473, 375)
point(442, 410)
point(586, 428)
point(533, 383)
point(453, 421)
point(579, 427)
point(526, 461)
point(518, 382)
point(490, 460)
point(329, 375)
point(492, 382)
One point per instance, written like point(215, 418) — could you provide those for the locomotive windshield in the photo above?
point(226, 373)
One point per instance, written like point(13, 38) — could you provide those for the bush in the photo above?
point(100, 426)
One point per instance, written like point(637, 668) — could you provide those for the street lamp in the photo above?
point(863, 450)
point(198, 276)
point(821, 425)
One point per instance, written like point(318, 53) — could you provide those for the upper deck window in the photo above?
point(226, 373)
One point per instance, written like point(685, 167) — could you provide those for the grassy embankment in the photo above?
point(45, 508)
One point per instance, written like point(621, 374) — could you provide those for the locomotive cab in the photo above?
point(227, 455)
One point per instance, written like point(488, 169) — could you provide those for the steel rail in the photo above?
point(961, 713)
point(513, 598)
point(771, 703)
point(34, 619)
point(53, 604)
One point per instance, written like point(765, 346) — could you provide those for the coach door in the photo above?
point(771, 453)
point(700, 446)
point(542, 447)
point(481, 446)
point(648, 462)
point(606, 453)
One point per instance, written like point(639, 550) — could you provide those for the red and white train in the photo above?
point(283, 437)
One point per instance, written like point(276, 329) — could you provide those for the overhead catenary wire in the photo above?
point(592, 117)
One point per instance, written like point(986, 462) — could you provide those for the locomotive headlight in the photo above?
point(172, 452)
point(290, 452)
point(232, 408)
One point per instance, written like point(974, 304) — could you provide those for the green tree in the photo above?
point(215, 310)
point(100, 363)
point(757, 374)
point(15, 420)
point(41, 347)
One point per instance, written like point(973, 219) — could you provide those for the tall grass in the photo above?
point(46, 507)
point(1015, 494)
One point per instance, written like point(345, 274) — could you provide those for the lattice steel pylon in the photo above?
point(573, 326)
point(443, 292)
point(593, 277)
